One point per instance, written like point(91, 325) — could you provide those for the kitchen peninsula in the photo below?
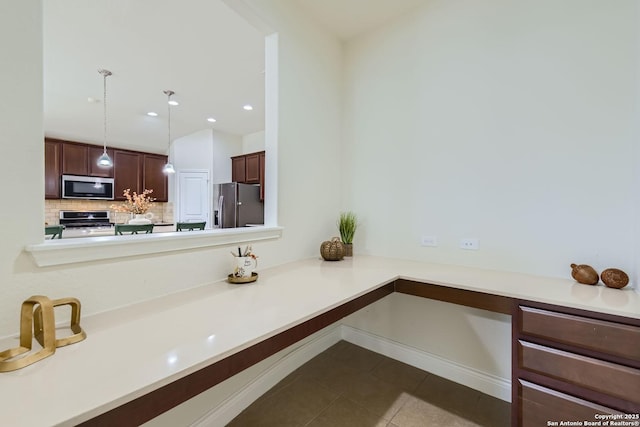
point(231, 327)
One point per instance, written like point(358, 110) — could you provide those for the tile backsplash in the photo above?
point(163, 212)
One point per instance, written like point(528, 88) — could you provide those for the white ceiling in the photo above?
point(348, 18)
point(201, 49)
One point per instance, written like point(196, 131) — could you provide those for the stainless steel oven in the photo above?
point(87, 187)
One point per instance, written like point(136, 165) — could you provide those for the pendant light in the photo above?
point(168, 168)
point(105, 161)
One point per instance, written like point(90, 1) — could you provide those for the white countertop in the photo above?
point(71, 233)
point(134, 350)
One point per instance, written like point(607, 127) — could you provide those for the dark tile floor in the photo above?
point(350, 386)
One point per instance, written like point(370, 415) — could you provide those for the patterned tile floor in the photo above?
point(350, 386)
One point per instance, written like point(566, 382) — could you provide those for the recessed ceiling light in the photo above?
point(248, 107)
point(152, 114)
point(211, 120)
point(174, 103)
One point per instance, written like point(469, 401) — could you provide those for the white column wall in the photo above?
point(306, 211)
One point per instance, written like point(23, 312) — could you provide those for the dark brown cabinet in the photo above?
point(82, 159)
point(252, 171)
point(153, 178)
point(249, 169)
point(75, 159)
point(571, 365)
point(94, 170)
point(131, 169)
point(138, 172)
point(238, 169)
point(51, 169)
point(127, 172)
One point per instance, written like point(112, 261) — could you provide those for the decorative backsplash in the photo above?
point(163, 212)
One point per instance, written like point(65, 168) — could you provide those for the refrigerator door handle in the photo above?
point(220, 213)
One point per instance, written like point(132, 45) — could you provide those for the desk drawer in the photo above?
point(599, 335)
point(538, 405)
point(603, 377)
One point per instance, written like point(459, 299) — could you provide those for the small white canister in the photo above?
point(245, 265)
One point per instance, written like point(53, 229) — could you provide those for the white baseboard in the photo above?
point(487, 383)
point(236, 403)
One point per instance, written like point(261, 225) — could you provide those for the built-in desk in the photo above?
point(142, 360)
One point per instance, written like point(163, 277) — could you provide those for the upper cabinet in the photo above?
point(52, 173)
point(134, 170)
point(249, 169)
point(252, 171)
point(138, 172)
point(95, 170)
point(82, 159)
point(238, 169)
point(153, 178)
point(127, 169)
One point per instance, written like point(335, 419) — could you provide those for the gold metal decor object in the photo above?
point(78, 333)
point(48, 332)
point(233, 279)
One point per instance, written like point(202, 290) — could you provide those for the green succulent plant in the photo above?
point(347, 225)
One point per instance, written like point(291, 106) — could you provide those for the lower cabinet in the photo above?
point(540, 405)
point(571, 365)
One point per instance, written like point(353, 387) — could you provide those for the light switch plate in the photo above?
point(431, 241)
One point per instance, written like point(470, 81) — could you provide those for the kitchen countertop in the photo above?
point(134, 350)
point(70, 232)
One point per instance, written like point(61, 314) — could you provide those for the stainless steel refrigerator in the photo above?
point(239, 205)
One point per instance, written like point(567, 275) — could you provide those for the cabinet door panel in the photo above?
point(94, 170)
point(252, 171)
point(597, 375)
point(51, 170)
point(153, 177)
point(537, 405)
point(74, 159)
point(127, 172)
point(238, 169)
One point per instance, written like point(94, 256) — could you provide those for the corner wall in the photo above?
point(510, 122)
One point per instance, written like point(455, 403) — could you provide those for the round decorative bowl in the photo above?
point(233, 279)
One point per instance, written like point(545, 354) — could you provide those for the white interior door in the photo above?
point(194, 200)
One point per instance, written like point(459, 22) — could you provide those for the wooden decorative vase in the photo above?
point(332, 250)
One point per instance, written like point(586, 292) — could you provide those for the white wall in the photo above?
point(104, 285)
point(511, 122)
point(209, 150)
point(253, 142)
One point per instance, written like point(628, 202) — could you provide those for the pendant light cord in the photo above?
point(169, 119)
point(105, 74)
point(104, 99)
point(169, 93)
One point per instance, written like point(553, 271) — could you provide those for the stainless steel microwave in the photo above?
point(87, 187)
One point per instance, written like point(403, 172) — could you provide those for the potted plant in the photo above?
point(347, 224)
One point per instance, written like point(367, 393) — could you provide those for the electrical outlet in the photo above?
point(429, 241)
point(470, 244)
